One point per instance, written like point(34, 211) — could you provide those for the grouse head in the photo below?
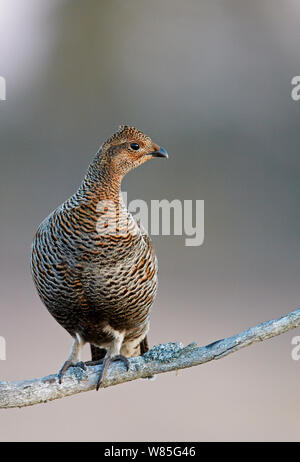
point(127, 149)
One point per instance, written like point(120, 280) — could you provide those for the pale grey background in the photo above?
point(209, 80)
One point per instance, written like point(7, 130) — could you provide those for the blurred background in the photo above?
point(210, 81)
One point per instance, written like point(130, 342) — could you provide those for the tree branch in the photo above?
point(160, 359)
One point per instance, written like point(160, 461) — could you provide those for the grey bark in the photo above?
point(160, 359)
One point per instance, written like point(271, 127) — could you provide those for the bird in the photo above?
point(94, 266)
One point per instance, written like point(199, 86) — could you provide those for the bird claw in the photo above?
point(94, 363)
point(123, 359)
point(67, 364)
point(107, 361)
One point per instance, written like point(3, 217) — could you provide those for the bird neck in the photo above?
point(101, 183)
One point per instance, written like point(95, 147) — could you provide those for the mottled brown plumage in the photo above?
point(95, 269)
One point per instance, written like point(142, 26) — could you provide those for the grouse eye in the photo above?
point(135, 146)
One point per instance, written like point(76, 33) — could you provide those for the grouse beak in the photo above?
point(161, 152)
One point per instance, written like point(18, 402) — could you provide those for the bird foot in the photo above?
point(94, 363)
point(107, 361)
point(151, 378)
point(67, 364)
